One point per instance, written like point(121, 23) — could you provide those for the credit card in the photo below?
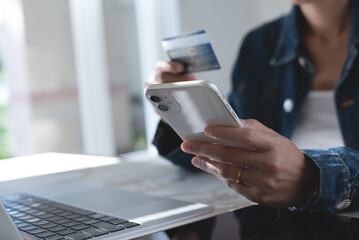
point(193, 49)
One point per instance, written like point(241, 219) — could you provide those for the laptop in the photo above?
point(84, 210)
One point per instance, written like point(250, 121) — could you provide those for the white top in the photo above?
point(318, 125)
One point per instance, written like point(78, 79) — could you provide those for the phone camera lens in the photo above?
point(163, 108)
point(155, 99)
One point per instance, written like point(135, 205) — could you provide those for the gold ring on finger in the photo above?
point(238, 181)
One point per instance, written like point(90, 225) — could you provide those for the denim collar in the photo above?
point(354, 29)
point(290, 44)
point(289, 38)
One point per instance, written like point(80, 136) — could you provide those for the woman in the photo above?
point(289, 71)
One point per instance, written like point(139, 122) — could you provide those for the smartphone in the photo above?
point(190, 106)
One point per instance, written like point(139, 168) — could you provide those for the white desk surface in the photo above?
point(138, 172)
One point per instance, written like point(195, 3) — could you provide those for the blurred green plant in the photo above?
point(5, 139)
point(139, 136)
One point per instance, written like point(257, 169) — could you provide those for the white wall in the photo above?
point(51, 77)
point(51, 70)
point(45, 110)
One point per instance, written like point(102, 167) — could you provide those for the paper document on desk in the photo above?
point(194, 50)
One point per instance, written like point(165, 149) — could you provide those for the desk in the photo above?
point(158, 177)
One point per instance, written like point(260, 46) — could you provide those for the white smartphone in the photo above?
point(190, 106)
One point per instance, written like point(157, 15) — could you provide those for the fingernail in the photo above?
point(177, 68)
point(195, 161)
point(208, 132)
point(186, 147)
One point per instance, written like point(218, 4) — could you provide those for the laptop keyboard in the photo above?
point(52, 220)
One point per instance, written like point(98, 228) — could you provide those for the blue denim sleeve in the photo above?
point(339, 179)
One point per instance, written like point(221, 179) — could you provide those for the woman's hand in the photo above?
point(274, 171)
point(166, 72)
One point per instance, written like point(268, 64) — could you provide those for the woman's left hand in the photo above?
point(274, 171)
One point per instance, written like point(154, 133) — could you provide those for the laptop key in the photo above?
point(18, 215)
point(91, 221)
point(64, 214)
point(36, 231)
point(41, 222)
point(17, 221)
point(18, 206)
point(55, 211)
point(108, 218)
point(47, 215)
point(118, 221)
point(11, 212)
point(97, 215)
point(73, 216)
point(28, 228)
point(95, 231)
point(55, 237)
point(53, 218)
point(56, 229)
point(70, 224)
point(66, 232)
point(81, 219)
point(33, 211)
point(39, 213)
point(43, 207)
point(24, 218)
point(108, 226)
point(79, 236)
point(62, 221)
point(49, 225)
point(32, 220)
point(22, 224)
point(130, 224)
point(44, 234)
point(80, 227)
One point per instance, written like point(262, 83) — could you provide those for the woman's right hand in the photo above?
point(166, 72)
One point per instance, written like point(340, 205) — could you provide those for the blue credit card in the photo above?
point(194, 50)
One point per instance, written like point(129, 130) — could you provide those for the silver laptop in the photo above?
point(83, 210)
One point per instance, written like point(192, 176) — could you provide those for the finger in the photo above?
point(204, 164)
point(165, 77)
point(252, 123)
point(255, 139)
point(212, 167)
point(243, 189)
point(223, 154)
point(248, 176)
point(170, 67)
point(220, 170)
point(224, 172)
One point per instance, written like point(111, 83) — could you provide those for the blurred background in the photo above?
point(72, 72)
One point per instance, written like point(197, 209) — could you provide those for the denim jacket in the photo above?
point(272, 68)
